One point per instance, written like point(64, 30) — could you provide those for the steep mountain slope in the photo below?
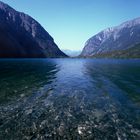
point(22, 36)
point(132, 52)
point(115, 39)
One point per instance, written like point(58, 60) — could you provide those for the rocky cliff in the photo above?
point(115, 40)
point(22, 36)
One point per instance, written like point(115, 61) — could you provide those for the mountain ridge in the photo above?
point(116, 38)
point(23, 36)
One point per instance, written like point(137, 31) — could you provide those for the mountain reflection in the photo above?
point(23, 77)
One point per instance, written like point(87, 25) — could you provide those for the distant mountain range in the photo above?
point(122, 41)
point(22, 36)
point(72, 53)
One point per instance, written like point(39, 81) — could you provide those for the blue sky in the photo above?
point(72, 22)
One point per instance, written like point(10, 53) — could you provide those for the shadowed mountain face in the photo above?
point(22, 36)
point(115, 41)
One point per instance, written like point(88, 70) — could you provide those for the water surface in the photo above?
point(69, 99)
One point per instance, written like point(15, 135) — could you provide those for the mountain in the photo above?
point(22, 36)
point(122, 41)
point(72, 53)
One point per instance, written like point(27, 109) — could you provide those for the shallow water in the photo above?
point(70, 99)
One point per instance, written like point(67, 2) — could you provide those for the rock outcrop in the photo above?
point(23, 37)
point(114, 41)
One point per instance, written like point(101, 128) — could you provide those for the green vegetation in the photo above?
point(133, 52)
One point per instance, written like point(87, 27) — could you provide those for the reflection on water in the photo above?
point(70, 99)
point(22, 77)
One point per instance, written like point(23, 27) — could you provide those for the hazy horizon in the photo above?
point(72, 23)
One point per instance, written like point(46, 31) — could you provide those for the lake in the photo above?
point(74, 99)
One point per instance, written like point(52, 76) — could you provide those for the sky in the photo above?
point(72, 22)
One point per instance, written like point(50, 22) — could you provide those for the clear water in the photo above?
point(74, 99)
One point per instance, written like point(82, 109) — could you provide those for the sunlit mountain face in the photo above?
point(117, 42)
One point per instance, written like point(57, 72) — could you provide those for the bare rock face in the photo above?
point(22, 36)
point(115, 39)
